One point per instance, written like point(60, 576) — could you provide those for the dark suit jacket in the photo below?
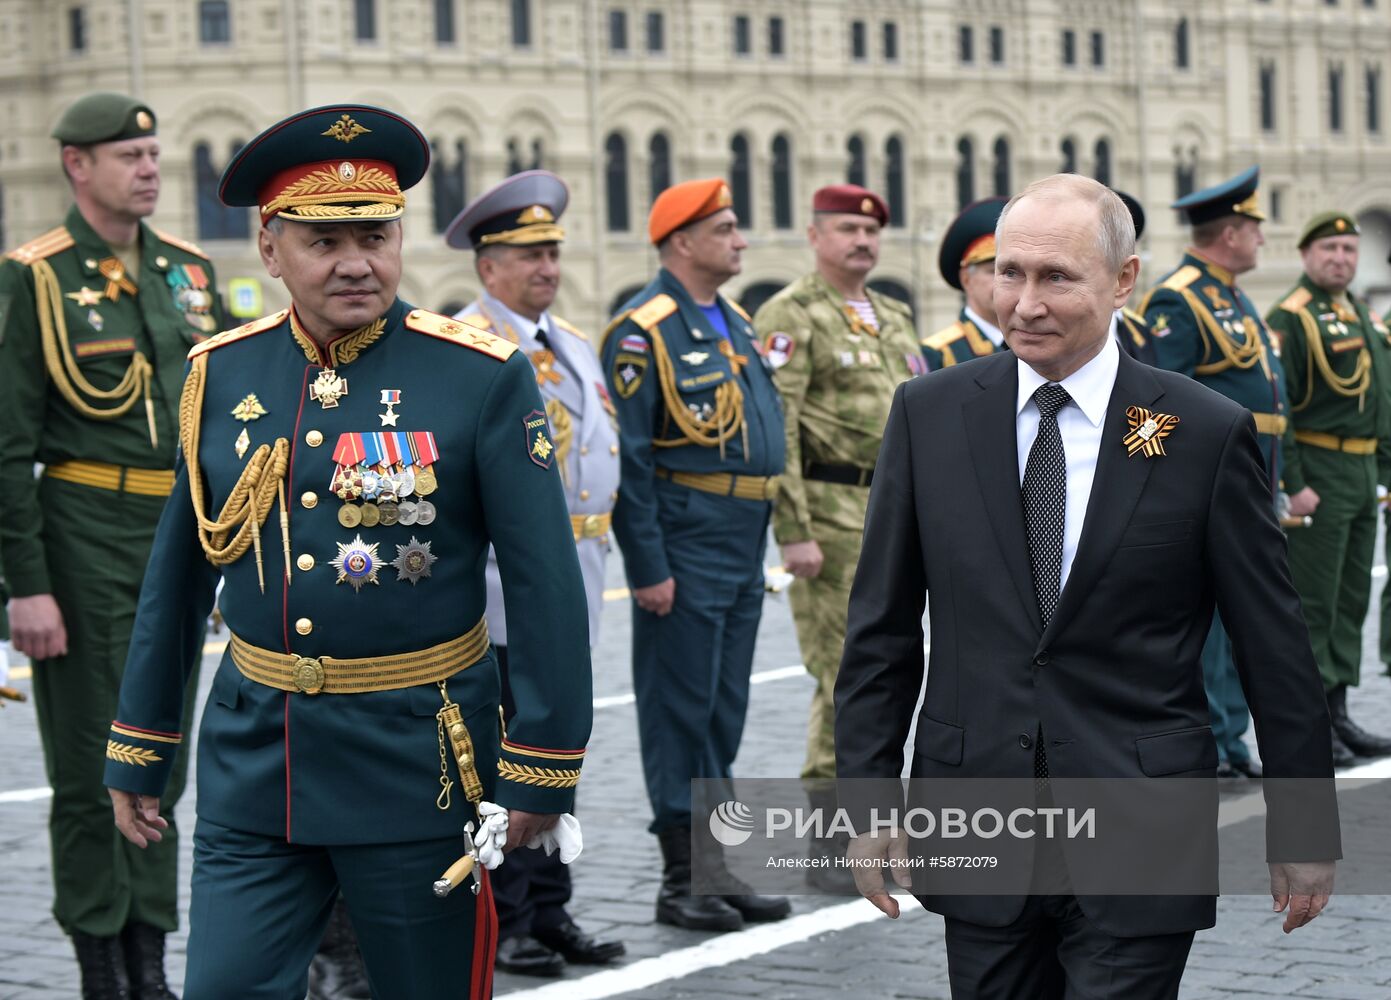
point(1115, 679)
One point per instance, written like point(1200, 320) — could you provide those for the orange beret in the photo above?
point(851, 199)
point(684, 203)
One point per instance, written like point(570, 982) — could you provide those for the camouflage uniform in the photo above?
point(837, 377)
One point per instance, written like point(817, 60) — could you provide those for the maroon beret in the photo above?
point(850, 198)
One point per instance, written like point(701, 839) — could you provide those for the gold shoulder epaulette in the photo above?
point(942, 338)
point(569, 327)
point(653, 311)
point(1133, 316)
point(738, 308)
point(183, 245)
point(478, 321)
point(238, 332)
point(1296, 300)
point(462, 333)
point(51, 242)
point(1182, 278)
point(614, 324)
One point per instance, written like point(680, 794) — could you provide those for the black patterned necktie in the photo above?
point(1045, 509)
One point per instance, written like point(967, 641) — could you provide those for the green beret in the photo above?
point(104, 117)
point(1328, 224)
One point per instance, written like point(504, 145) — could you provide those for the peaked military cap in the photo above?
point(521, 211)
point(339, 163)
point(104, 117)
point(1234, 196)
point(1136, 210)
point(684, 203)
point(850, 199)
point(970, 239)
point(1328, 224)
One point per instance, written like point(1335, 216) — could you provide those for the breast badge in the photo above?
point(413, 561)
point(249, 409)
point(328, 388)
point(357, 562)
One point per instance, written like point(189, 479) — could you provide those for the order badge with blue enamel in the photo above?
point(357, 562)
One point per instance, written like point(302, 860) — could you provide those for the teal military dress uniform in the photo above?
point(968, 242)
point(667, 368)
point(92, 346)
point(353, 725)
point(1203, 325)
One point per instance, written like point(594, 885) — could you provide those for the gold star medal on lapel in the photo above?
point(328, 388)
point(357, 562)
point(1147, 431)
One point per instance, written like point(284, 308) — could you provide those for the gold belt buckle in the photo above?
point(590, 527)
point(309, 675)
point(770, 488)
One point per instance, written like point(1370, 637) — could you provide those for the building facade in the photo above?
point(931, 102)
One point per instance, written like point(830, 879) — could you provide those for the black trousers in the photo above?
point(530, 889)
point(1053, 952)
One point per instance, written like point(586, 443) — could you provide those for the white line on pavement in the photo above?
point(26, 795)
point(721, 950)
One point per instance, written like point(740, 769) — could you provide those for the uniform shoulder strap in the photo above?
point(1182, 278)
point(943, 338)
point(51, 242)
point(569, 327)
point(478, 321)
point(459, 332)
point(239, 332)
point(653, 311)
point(1297, 300)
point(737, 308)
point(183, 245)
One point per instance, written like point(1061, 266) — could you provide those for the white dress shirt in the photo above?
point(1079, 423)
point(992, 332)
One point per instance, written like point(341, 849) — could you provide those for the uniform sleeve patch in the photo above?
point(538, 439)
point(636, 345)
point(1159, 326)
point(778, 349)
point(629, 367)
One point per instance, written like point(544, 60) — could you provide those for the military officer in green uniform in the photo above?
point(352, 735)
point(95, 319)
point(701, 443)
point(967, 263)
point(1128, 326)
point(1203, 325)
point(1335, 355)
point(838, 350)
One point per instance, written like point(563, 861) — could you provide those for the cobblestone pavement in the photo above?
point(830, 945)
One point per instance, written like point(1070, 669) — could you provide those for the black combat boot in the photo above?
point(144, 948)
point(337, 971)
point(102, 964)
point(675, 904)
point(1354, 737)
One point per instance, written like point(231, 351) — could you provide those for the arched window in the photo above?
point(448, 181)
point(965, 172)
point(894, 189)
point(1068, 148)
point(1185, 172)
point(751, 299)
point(537, 158)
point(1181, 44)
point(216, 221)
point(514, 158)
point(782, 182)
point(1103, 162)
point(740, 175)
point(658, 164)
point(1000, 173)
point(616, 182)
point(855, 161)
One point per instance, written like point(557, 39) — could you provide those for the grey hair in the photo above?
point(275, 224)
point(1116, 234)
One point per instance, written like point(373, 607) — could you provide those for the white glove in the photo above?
point(491, 835)
point(564, 837)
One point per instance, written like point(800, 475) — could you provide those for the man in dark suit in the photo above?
point(1070, 577)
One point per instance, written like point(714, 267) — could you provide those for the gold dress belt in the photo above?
point(116, 478)
point(1332, 442)
point(724, 483)
point(1270, 423)
point(331, 675)
point(590, 525)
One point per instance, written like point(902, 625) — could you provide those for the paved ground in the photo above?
point(830, 946)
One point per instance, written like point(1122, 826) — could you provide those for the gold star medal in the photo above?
point(390, 399)
point(357, 562)
point(413, 561)
point(328, 388)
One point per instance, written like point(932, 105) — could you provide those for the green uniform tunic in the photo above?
point(1336, 371)
point(87, 544)
point(837, 376)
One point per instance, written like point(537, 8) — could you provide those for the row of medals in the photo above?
point(385, 496)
